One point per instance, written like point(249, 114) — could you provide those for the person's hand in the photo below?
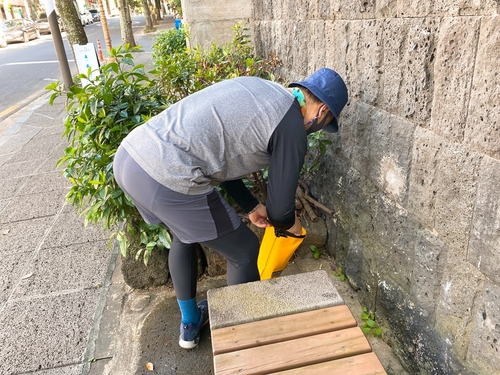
point(258, 216)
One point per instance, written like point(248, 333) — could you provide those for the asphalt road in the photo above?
point(27, 68)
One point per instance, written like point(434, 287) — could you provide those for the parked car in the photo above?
point(86, 17)
point(43, 23)
point(20, 30)
point(3, 41)
point(95, 14)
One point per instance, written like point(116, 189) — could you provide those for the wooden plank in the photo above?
point(363, 364)
point(293, 353)
point(282, 328)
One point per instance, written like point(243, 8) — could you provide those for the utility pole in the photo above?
point(58, 43)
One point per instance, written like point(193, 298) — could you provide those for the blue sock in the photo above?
point(190, 314)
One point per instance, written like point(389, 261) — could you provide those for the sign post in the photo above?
point(58, 43)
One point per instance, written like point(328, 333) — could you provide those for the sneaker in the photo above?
point(190, 333)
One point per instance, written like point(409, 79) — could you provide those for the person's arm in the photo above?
point(287, 147)
point(242, 196)
point(248, 203)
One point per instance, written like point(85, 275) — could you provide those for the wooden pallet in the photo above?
point(324, 341)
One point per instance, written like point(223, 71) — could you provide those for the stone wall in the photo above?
point(414, 172)
point(211, 21)
point(413, 169)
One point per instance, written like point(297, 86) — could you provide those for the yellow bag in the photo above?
point(275, 251)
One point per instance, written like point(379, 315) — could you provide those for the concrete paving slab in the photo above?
point(4, 158)
point(4, 203)
point(12, 268)
point(21, 169)
point(35, 205)
point(243, 303)
point(47, 332)
point(50, 163)
point(47, 181)
point(69, 228)
point(36, 149)
point(72, 267)
point(64, 370)
point(23, 236)
point(17, 141)
point(10, 186)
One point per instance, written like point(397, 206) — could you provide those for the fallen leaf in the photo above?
point(149, 366)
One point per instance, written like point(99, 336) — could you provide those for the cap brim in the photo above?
point(332, 127)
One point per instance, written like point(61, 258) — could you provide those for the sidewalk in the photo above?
point(64, 307)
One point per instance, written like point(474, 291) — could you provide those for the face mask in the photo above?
point(315, 125)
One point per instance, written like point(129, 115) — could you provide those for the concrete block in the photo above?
point(483, 123)
point(74, 267)
point(453, 72)
point(379, 146)
point(353, 9)
point(386, 9)
point(423, 177)
point(442, 188)
point(260, 300)
point(485, 237)
point(412, 334)
point(216, 10)
point(455, 311)
point(465, 8)
point(427, 271)
point(485, 340)
point(316, 49)
point(213, 22)
point(455, 192)
point(414, 8)
point(358, 46)
point(61, 322)
point(409, 45)
point(300, 32)
point(391, 243)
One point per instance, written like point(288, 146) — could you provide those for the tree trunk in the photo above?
point(108, 8)
point(72, 24)
point(104, 23)
point(147, 15)
point(158, 7)
point(126, 24)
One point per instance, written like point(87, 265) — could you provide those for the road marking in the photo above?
point(9, 110)
point(34, 62)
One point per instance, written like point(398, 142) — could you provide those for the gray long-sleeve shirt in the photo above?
point(223, 133)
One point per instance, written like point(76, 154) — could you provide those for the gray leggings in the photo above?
point(206, 219)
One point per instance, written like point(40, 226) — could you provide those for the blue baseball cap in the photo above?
point(329, 87)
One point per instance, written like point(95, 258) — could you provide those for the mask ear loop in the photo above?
point(314, 119)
